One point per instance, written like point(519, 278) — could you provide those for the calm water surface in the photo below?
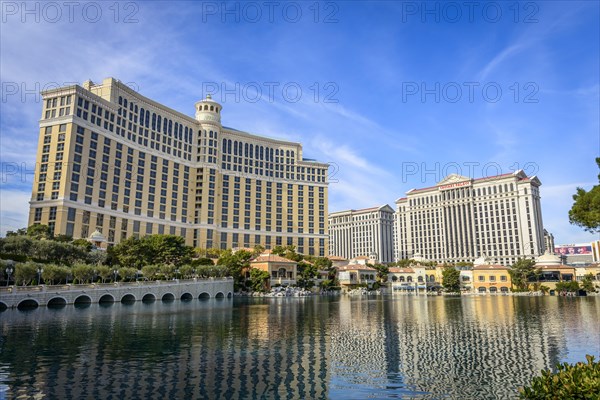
point(298, 348)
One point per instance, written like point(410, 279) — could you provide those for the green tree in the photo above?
point(585, 211)
point(86, 244)
point(128, 273)
point(258, 250)
point(150, 271)
point(323, 263)
point(168, 271)
point(152, 249)
point(39, 231)
point(568, 286)
point(84, 273)
point(258, 280)
point(382, 272)
point(451, 279)
point(131, 252)
point(63, 238)
point(587, 283)
point(18, 232)
point(168, 249)
point(236, 264)
point(522, 272)
point(26, 272)
point(54, 274)
point(307, 273)
point(186, 271)
point(104, 272)
point(579, 381)
point(16, 245)
point(202, 261)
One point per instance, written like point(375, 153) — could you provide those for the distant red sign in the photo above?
point(455, 185)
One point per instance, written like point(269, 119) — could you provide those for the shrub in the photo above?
point(579, 381)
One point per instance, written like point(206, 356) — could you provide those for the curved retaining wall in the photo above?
point(44, 295)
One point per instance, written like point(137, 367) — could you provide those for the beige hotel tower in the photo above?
point(112, 160)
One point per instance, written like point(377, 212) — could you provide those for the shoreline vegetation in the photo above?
point(34, 256)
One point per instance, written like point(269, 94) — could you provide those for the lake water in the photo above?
point(294, 348)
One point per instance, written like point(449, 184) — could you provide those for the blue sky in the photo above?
point(393, 94)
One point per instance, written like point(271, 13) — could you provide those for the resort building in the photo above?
point(112, 160)
point(352, 275)
point(491, 279)
point(460, 219)
point(552, 271)
point(366, 232)
point(281, 270)
point(548, 241)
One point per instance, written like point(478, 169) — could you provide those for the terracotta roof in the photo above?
point(336, 258)
point(361, 258)
point(554, 266)
point(355, 267)
point(271, 258)
point(395, 270)
point(489, 267)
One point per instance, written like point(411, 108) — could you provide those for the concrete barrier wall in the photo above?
point(44, 295)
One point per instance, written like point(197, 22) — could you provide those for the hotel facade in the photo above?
point(112, 160)
point(461, 219)
point(366, 232)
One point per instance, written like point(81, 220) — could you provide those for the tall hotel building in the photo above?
point(113, 160)
point(461, 219)
point(366, 232)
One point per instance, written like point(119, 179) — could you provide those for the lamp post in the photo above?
point(40, 270)
point(9, 271)
point(115, 272)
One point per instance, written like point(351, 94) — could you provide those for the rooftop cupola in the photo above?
point(208, 111)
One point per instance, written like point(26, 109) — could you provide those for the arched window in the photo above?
point(394, 278)
point(153, 121)
point(420, 278)
point(228, 146)
point(251, 151)
point(409, 279)
point(159, 123)
point(401, 279)
point(142, 116)
point(206, 107)
point(235, 149)
point(246, 149)
point(261, 152)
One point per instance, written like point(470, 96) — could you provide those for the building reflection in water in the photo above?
point(305, 348)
